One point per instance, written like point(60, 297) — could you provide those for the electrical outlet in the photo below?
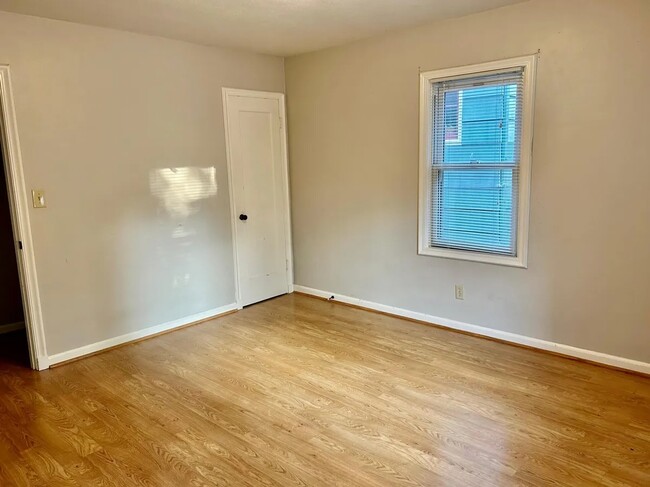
point(460, 291)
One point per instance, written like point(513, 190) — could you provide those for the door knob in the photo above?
point(243, 217)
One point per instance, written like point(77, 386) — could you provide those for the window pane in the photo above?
point(452, 116)
point(487, 121)
point(475, 209)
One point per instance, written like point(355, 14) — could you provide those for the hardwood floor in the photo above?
point(298, 391)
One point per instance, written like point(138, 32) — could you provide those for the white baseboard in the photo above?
point(9, 327)
point(136, 335)
point(581, 353)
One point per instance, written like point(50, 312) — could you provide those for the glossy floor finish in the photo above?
point(298, 391)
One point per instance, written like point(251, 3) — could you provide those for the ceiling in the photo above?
point(281, 27)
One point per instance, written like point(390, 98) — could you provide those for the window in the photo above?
point(476, 142)
point(453, 117)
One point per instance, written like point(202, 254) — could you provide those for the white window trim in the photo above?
point(529, 64)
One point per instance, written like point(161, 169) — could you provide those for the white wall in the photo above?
point(98, 111)
point(353, 126)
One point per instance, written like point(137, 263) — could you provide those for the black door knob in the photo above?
point(243, 217)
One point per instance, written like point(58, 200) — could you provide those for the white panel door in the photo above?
point(256, 147)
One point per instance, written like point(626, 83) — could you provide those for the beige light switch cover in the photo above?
point(38, 198)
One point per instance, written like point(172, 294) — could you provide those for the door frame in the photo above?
point(280, 97)
point(19, 209)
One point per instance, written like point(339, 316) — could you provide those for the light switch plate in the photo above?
point(38, 198)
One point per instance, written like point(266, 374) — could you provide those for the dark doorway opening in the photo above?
point(13, 337)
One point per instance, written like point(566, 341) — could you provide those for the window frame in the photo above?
point(426, 203)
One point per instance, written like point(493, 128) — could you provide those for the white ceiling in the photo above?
point(281, 27)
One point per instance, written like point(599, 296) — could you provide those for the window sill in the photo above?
point(519, 261)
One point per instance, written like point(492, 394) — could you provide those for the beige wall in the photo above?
point(98, 111)
point(353, 125)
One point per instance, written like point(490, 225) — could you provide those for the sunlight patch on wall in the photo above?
point(181, 188)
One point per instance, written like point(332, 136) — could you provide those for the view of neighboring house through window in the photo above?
point(474, 162)
point(453, 117)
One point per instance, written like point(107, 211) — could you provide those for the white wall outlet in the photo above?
point(38, 198)
point(460, 291)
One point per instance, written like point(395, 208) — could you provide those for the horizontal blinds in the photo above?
point(475, 158)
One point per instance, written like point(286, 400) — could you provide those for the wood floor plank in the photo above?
point(297, 391)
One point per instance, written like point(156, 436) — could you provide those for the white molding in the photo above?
point(287, 193)
point(529, 63)
point(231, 192)
point(19, 206)
point(472, 256)
point(568, 350)
point(280, 97)
point(9, 327)
point(272, 95)
point(137, 335)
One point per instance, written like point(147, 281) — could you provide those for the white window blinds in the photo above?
point(475, 150)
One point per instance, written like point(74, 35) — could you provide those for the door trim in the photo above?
point(232, 92)
point(19, 208)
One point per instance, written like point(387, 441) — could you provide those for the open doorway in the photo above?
point(14, 348)
point(17, 260)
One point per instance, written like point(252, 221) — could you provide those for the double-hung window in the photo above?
point(475, 156)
